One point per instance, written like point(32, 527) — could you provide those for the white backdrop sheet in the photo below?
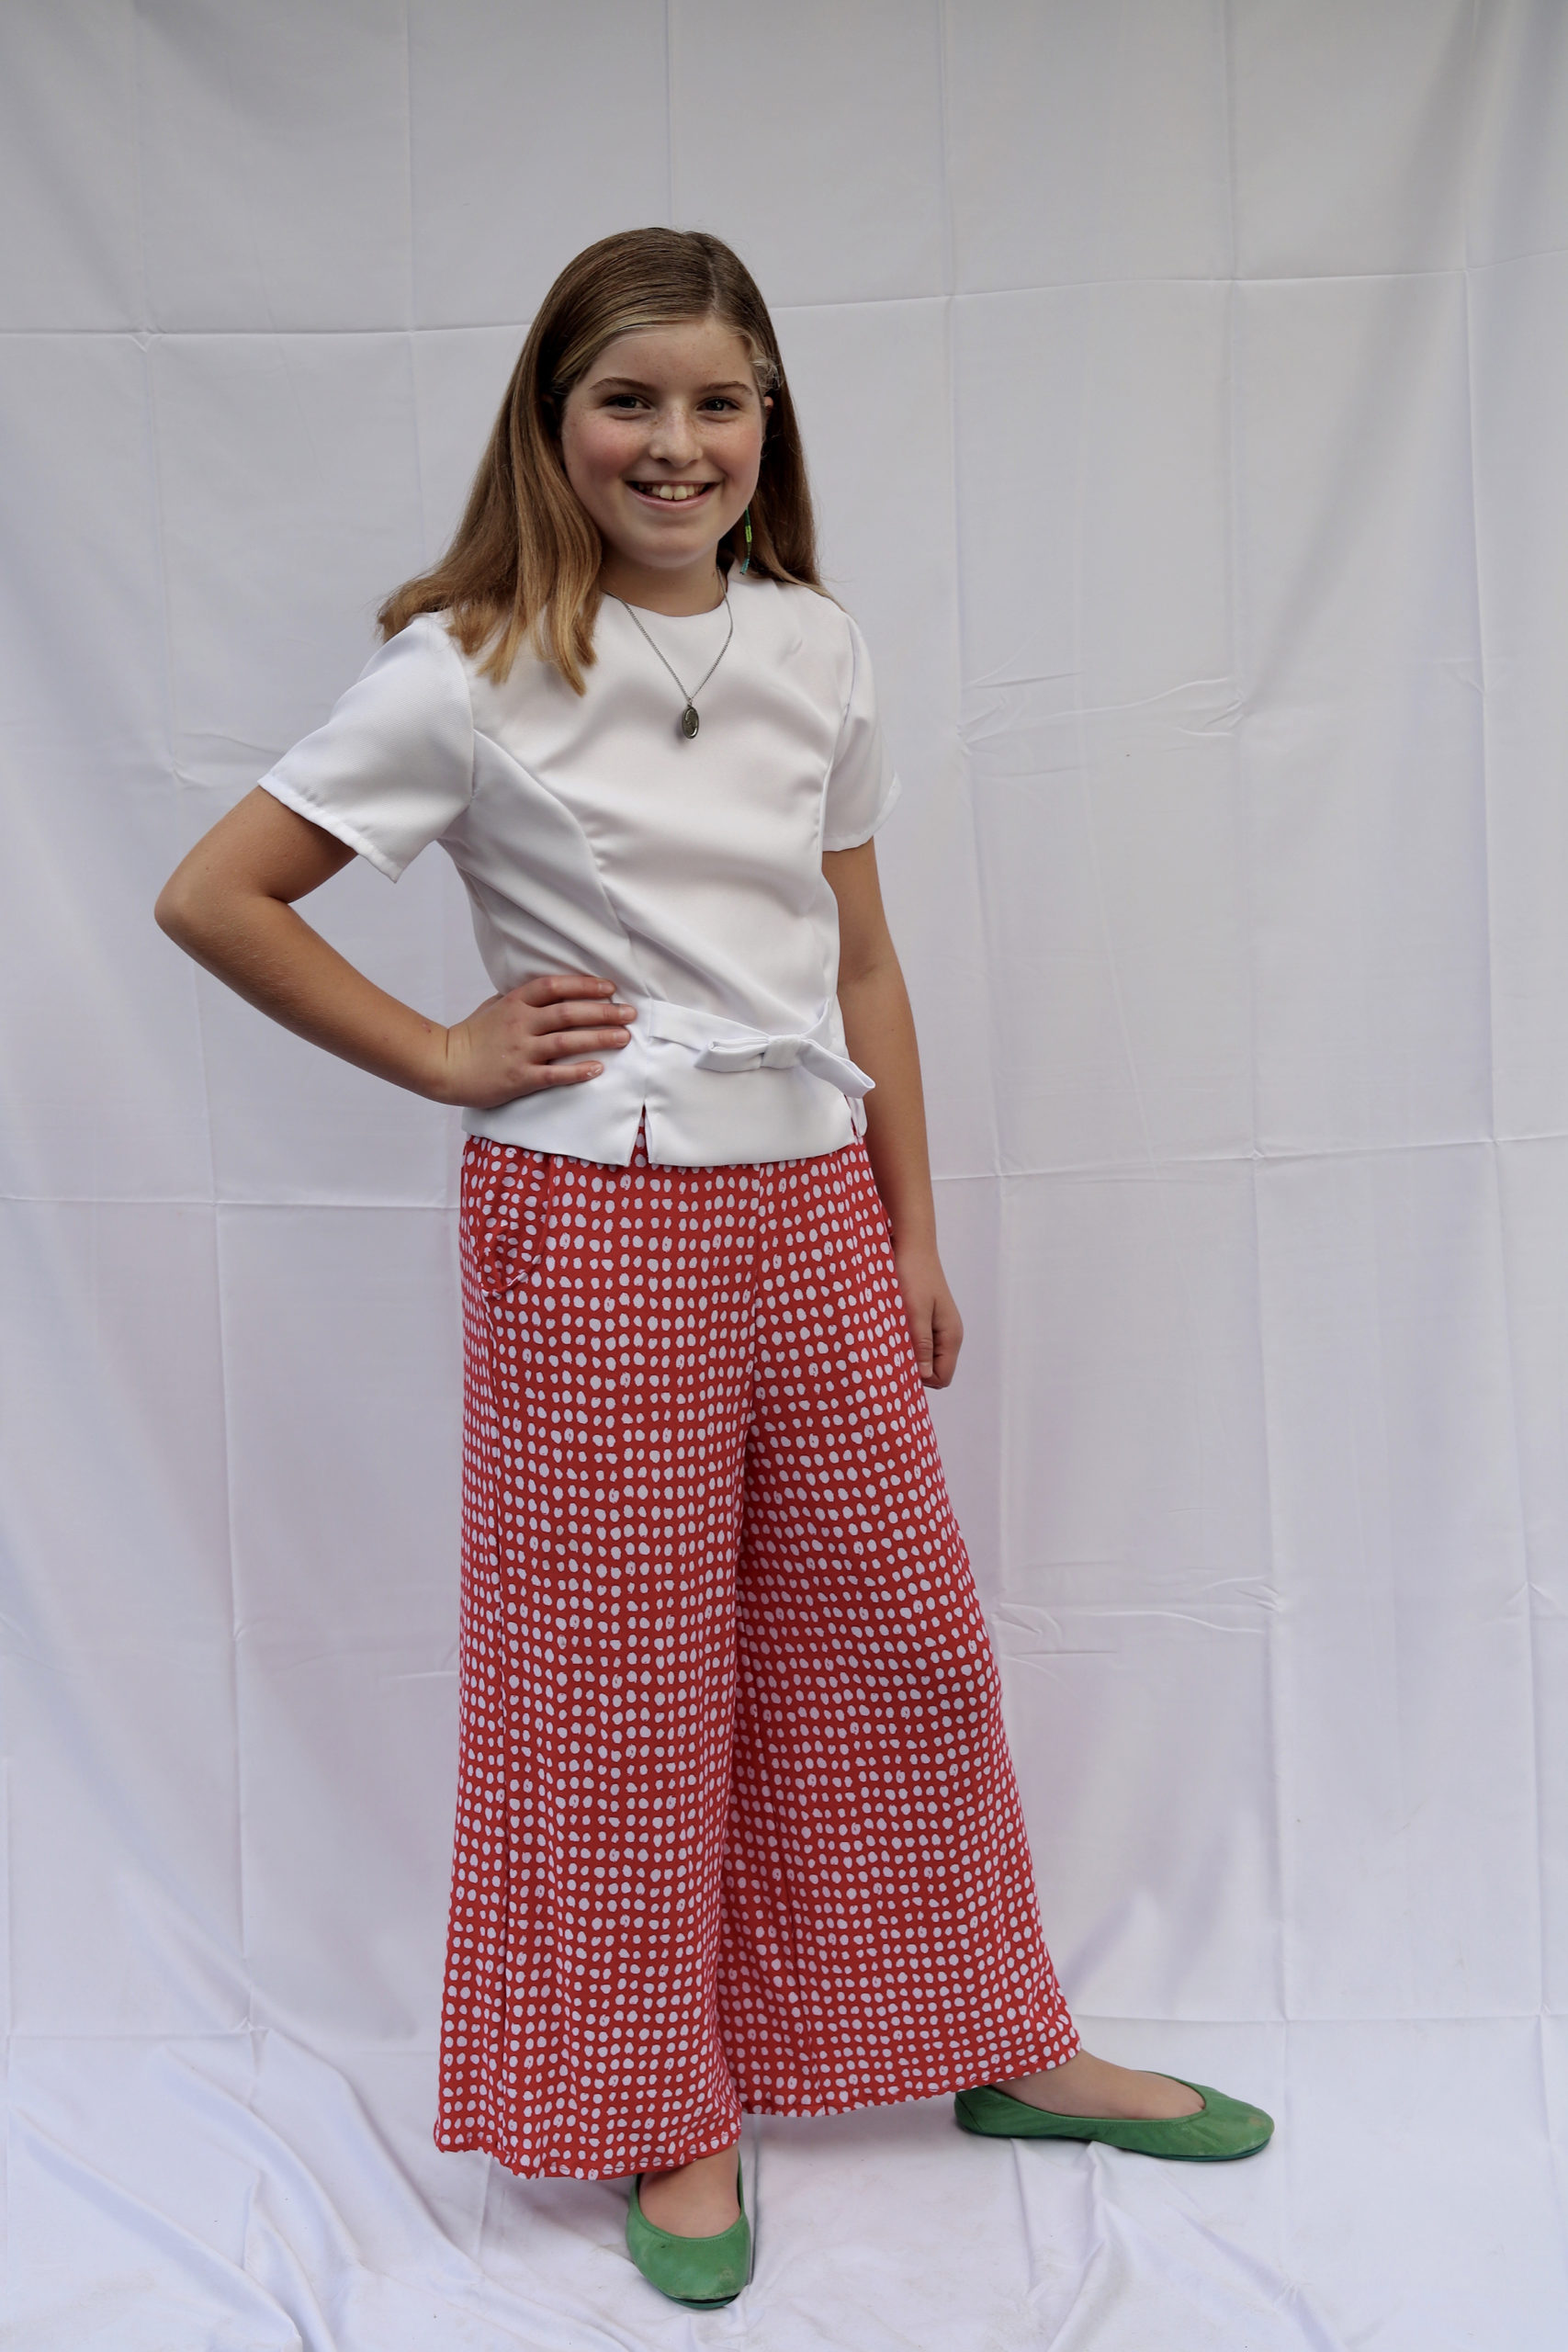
point(1185, 385)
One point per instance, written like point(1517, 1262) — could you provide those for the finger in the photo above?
point(949, 1339)
point(570, 1073)
point(547, 988)
point(561, 1045)
point(583, 1013)
point(920, 1332)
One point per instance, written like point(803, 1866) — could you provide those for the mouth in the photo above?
point(671, 493)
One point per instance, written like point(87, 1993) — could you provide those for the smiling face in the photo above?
point(662, 438)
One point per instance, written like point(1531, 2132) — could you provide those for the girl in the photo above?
point(736, 1828)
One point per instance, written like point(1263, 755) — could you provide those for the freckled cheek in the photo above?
point(601, 457)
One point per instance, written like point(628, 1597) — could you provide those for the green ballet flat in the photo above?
point(1222, 2129)
point(702, 2273)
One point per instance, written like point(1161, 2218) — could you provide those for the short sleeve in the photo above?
point(862, 787)
point(393, 766)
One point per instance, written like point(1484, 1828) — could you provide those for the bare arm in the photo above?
point(879, 1030)
point(229, 906)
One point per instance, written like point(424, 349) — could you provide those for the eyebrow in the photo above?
point(634, 384)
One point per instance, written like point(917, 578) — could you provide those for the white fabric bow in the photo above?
point(717, 1043)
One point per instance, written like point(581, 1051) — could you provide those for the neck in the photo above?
point(697, 588)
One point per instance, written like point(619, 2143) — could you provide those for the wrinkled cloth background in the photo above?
point(1186, 386)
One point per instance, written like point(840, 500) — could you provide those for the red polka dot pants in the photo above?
point(736, 1827)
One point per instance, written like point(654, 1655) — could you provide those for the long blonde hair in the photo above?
point(525, 562)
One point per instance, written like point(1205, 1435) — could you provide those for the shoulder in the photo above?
point(811, 612)
point(425, 644)
point(415, 689)
point(424, 670)
point(807, 624)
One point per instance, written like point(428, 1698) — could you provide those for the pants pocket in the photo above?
point(504, 1205)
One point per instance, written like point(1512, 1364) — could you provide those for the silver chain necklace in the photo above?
point(689, 720)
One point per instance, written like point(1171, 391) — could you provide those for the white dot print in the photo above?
point(736, 1828)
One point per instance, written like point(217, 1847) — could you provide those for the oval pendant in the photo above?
point(689, 722)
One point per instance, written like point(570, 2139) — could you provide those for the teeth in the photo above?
point(675, 491)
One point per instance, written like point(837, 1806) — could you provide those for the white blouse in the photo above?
point(593, 836)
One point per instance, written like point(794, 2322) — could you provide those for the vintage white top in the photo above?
point(593, 837)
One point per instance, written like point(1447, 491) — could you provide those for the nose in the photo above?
point(674, 435)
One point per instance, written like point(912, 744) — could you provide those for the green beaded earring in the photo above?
point(746, 519)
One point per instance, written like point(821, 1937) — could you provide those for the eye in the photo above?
point(720, 400)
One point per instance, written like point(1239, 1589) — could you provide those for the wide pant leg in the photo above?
point(882, 1938)
point(714, 1851)
point(608, 1343)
